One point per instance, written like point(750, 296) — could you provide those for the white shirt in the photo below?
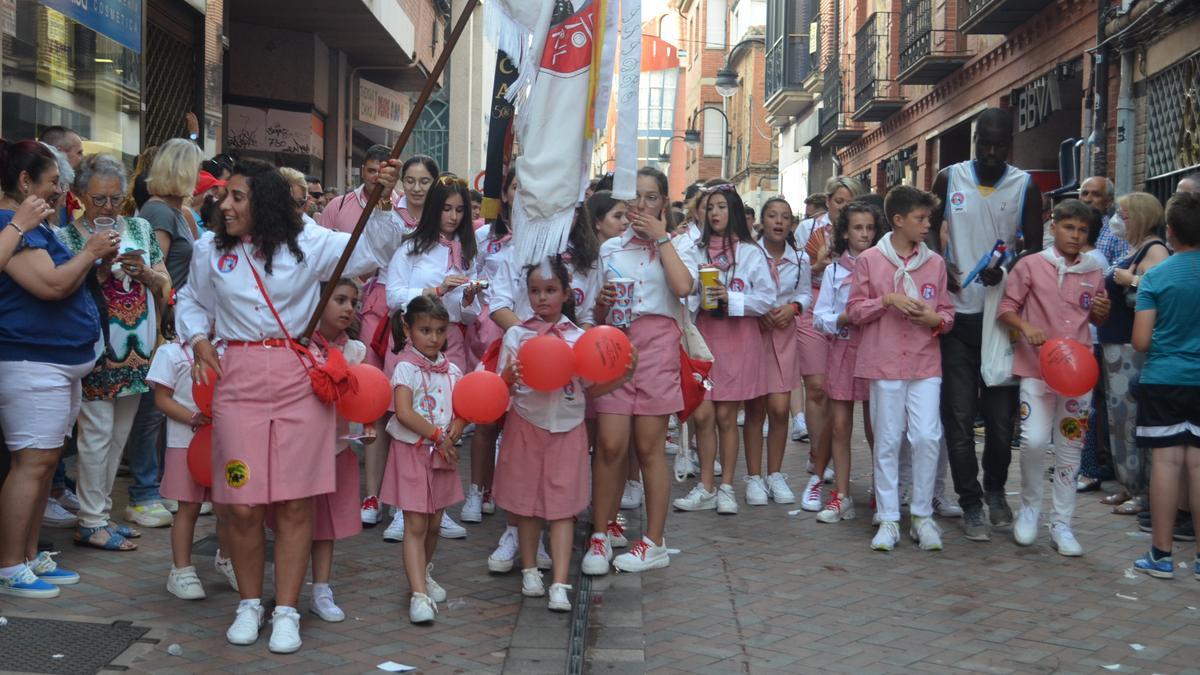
point(830, 305)
point(491, 252)
point(508, 290)
point(807, 226)
point(409, 274)
point(431, 397)
point(750, 290)
point(172, 367)
point(555, 411)
point(623, 257)
point(221, 286)
point(795, 278)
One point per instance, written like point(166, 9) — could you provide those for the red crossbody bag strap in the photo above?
point(295, 346)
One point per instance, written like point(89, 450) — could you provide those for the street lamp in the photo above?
point(726, 83)
point(664, 155)
point(692, 134)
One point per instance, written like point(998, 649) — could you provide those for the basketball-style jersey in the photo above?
point(976, 216)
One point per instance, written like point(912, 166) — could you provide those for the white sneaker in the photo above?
point(184, 584)
point(559, 600)
point(642, 556)
point(543, 558)
point(946, 508)
point(616, 535)
point(837, 508)
point(531, 583)
point(244, 630)
point(225, 567)
point(1064, 540)
point(395, 531)
point(285, 631)
point(595, 561)
point(717, 468)
point(671, 448)
point(170, 505)
point(1025, 527)
point(489, 503)
point(799, 427)
point(323, 606)
point(686, 466)
point(370, 512)
point(451, 529)
point(149, 515)
point(811, 498)
point(886, 537)
point(631, 498)
point(68, 500)
point(756, 490)
point(206, 508)
point(433, 589)
point(501, 560)
point(472, 508)
point(829, 475)
point(926, 533)
point(726, 500)
point(698, 499)
point(672, 423)
point(421, 609)
point(779, 489)
point(57, 516)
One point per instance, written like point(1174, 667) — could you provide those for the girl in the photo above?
point(438, 259)
point(491, 241)
point(257, 280)
point(542, 472)
point(421, 478)
point(661, 277)
point(608, 216)
point(743, 293)
point(793, 293)
point(859, 227)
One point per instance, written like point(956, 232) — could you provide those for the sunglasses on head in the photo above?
point(723, 187)
point(450, 180)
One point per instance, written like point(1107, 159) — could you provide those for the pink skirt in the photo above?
point(418, 481)
point(814, 345)
point(840, 382)
point(455, 350)
point(177, 482)
point(336, 515)
point(738, 370)
point(542, 474)
point(654, 389)
point(782, 360)
point(273, 440)
point(374, 312)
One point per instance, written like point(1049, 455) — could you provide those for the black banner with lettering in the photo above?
point(499, 136)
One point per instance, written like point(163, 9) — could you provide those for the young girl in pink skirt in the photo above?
point(858, 227)
point(171, 376)
point(744, 292)
point(793, 294)
point(421, 478)
point(542, 472)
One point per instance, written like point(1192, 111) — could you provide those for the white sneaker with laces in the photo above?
point(1064, 540)
point(149, 515)
point(925, 531)
point(225, 567)
point(616, 535)
point(57, 516)
point(451, 529)
point(1025, 526)
point(395, 531)
point(249, 619)
point(323, 605)
point(559, 600)
point(756, 491)
point(472, 508)
point(421, 608)
point(886, 537)
point(946, 508)
point(68, 500)
point(642, 556)
point(170, 505)
point(839, 507)
point(779, 489)
point(285, 631)
point(631, 498)
point(685, 466)
point(183, 583)
point(370, 512)
point(544, 561)
point(698, 499)
point(599, 553)
point(717, 468)
point(799, 427)
point(501, 560)
point(531, 583)
point(433, 589)
point(829, 475)
point(726, 500)
point(811, 498)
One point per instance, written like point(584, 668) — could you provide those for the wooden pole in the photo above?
point(377, 191)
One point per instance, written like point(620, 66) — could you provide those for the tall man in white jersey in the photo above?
point(984, 199)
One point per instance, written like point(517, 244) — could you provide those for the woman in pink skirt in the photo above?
point(858, 227)
point(542, 472)
point(793, 295)
point(255, 284)
point(744, 292)
point(421, 478)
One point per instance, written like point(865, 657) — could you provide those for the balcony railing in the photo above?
point(876, 90)
point(997, 17)
point(788, 61)
point(787, 64)
point(836, 128)
point(927, 54)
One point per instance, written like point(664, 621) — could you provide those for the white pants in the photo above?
point(1047, 415)
point(905, 410)
point(939, 483)
point(103, 428)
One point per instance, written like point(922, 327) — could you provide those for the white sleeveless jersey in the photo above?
point(976, 218)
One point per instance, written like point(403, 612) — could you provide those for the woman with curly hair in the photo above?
point(255, 284)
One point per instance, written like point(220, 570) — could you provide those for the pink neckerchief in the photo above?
point(719, 255)
point(567, 257)
point(454, 259)
point(502, 240)
point(847, 261)
point(410, 355)
point(541, 327)
point(776, 263)
point(651, 247)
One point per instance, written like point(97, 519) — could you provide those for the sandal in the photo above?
point(1087, 484)
point(1117, 498)
point(125, 531)
point(1130, 507)
point(114, 542)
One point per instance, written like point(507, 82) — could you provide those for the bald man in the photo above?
point(67, 141)
point(1097, 192)
point(1189, 183)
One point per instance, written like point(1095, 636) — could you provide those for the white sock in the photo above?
point(284, 609)
point(10, 572)
point(321, 589)
point(251, 602)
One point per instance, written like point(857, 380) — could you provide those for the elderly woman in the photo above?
point(112, 390)
point(49, 326)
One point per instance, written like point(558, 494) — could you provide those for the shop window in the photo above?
point(714, 133)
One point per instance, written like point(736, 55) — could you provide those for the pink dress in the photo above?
point(840, 382)
point(739, 361)
point(336, 514)
point(172, 367)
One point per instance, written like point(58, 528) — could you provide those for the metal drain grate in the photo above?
point(64, 647)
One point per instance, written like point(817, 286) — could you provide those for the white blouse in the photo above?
point(491, 253)
point(431, 397)
point(409, 274)
point(748, 283)
point(830, 305)
point(555, 411)
point(641, 261)
point(795, 278)
point(508, 290)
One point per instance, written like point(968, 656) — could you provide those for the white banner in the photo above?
point(629, 82)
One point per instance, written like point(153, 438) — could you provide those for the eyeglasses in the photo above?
point(316, 195)
point(450, 180)
point(103, 201)
point(723, 187)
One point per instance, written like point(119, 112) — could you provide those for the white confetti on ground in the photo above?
point(175, 650)
point(1130, 574)
point(1112, 666)
point(1136, 647)
point(1126, 597)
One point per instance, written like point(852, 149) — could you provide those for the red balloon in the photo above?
point(480, 397)
point(202, 394)
point(1068, 367)
point(199, 456)
point(602, 354)
point(547, 363)
point(368, 396)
